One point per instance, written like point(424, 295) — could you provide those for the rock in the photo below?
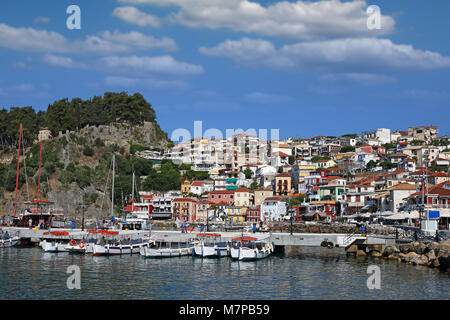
point(421, 248)
point(360, 253)
point(375, 253)
point(431, 255)
point(410, 256)
point(444, 261)
point(389, 250)
point(435, 263)
point(419, 260)
point(352, 249)
point(394, 256)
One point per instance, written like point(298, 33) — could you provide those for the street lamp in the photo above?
point(82, 220)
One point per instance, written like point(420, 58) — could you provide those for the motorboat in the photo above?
point(53, 246)
point(162, 249)
point(120, 247)
point(6, 241)
point(76, 247)
point(249, 248)
point(208, 246)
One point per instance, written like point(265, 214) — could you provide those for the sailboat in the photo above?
point(113, 247)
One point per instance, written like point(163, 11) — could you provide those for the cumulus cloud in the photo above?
point(117, 81)
point(301, 20)
point(134, 16)
point(106, 43)
point(142, 65)
point(261, 97)
point(140, 40)
point(359, 55)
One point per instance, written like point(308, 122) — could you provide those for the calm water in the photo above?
point(306, 273)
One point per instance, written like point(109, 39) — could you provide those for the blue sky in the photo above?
point(305, 68)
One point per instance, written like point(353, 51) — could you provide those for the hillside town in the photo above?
point(380, 173)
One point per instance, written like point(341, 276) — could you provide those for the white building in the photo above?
point(273, 209)
point(382, 134)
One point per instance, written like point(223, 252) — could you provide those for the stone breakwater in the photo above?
point(341, 228)
point(431, 254)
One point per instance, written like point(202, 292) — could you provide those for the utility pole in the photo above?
point(82, 205)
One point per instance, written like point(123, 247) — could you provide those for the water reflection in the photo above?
point(298, 273)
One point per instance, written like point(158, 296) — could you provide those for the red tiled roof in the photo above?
point(243, 190)
point(222, 192)
point(197, 184)
point(434, 191)
point(282, 154)
point(185, 200)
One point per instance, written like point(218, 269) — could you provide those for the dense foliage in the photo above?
point(65, 115)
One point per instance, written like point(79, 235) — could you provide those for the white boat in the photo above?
point(249, 249)
point(118, 248)
point(89, 244)
point(210, 247)
point(76, 247)
point(53, 246)
point(10, 242)
point(162, 249)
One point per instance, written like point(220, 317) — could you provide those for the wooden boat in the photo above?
point(163, 249)
point(120, 247)
point(249, 248)
point(208, 246)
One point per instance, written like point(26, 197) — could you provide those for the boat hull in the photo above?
point(165, 252)
point(9, 243)
point(53, 247)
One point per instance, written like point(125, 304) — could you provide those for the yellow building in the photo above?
point(186, 187)
point(243, 197)
point(236, 213)
point(261, 194)
point(283, 183)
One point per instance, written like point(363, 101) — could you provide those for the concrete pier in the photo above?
point(278, 238)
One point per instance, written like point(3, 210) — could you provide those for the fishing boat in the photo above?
point(208, 246)
point(250, 248)
point(164, 249)
point(53, 246)
point(6, 241)
point(127, 246)
point(76, 247)
point(89, 244)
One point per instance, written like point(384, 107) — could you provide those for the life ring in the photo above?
point(81, 244)
point(73, 243)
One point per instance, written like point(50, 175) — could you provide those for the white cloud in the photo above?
point(117, 81)
point(143, 65)
point(351, 56)
point(134, 16)
point(360, 78)
point(140, 40)
point(106, 43)
point(301, 20)
point(59, 61)
point(261, 97)
point(42, 20)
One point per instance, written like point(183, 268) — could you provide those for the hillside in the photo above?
point(76, 162)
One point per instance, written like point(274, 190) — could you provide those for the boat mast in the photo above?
point(112, 192)
point(132, 195)
point(39, 177)
point(17, 176)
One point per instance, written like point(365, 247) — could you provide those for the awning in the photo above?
point(402, 216)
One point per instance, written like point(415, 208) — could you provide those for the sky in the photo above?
point(306, 68)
